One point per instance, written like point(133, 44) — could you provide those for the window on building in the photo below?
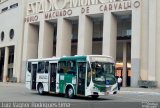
point(11, 58)
point(2, 35)
point(74, 30)
point(10, 73)
point(124, 26)
point(55, 32)
point(97, 28)
point(11, 33)
point(14, 5)
point(4, 9)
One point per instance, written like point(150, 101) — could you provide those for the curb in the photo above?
point(140, 92)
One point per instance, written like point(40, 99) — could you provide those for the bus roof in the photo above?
point(66, 58)
point(84, 57)
point(45, 59)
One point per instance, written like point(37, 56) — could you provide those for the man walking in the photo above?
point(119, 82)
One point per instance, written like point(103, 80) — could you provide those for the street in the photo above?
point(13, 92)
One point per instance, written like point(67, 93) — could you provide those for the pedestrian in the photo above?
point(119, 82)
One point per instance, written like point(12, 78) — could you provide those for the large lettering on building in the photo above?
point(41, 6)
point(65, 8)
point(1, 1)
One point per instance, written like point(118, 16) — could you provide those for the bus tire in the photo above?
point(70, 93)
point(40, 89)
point(95, 96)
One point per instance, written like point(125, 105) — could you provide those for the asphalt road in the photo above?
point(12, 92)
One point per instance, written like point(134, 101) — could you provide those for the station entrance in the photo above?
point(6, 63)
point(123, 50)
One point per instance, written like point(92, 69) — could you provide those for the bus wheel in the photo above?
point(40, 89)
point(70, 93)
point(95, 96)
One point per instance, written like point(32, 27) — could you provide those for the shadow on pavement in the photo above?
point(76, 97)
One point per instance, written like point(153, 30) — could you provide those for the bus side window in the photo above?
point(29, 67)
point(71, 67)
point(46, 67)
point(88, 74)
point(41, 67)
point(62, 66)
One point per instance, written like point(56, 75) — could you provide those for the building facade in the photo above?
point(11, 39)
point(127, 30)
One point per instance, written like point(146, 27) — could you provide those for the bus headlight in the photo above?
point(114, 87)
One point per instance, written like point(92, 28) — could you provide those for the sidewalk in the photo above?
point(6, 84)
point(140, 90)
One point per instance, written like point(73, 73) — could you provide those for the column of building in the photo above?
point(158, 44)
point(45, 47)
point(136, 45)
point(64, 33)
point(109, 35)
point(31, 38)
point(110, 40)
point(30, 46)
point(144, 41)
point(31, 41)
point(152, 40)
point(15, 63)
point(85, 35)
point(6, 57)
point(124, 63)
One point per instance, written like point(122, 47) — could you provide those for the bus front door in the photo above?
point(81, 78)
point(34, 73)
point(53, 70)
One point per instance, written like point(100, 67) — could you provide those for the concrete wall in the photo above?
point(13, 18)
point(157, 44)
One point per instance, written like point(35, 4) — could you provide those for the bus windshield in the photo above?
point(102, 72)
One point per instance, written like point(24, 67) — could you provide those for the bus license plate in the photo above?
point(107, 93)
point(107, 85)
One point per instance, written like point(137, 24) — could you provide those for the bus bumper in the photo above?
point(111, 93)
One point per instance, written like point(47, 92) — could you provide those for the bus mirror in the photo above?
point(92, 65)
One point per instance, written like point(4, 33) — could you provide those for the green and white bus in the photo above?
point(91, 75)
